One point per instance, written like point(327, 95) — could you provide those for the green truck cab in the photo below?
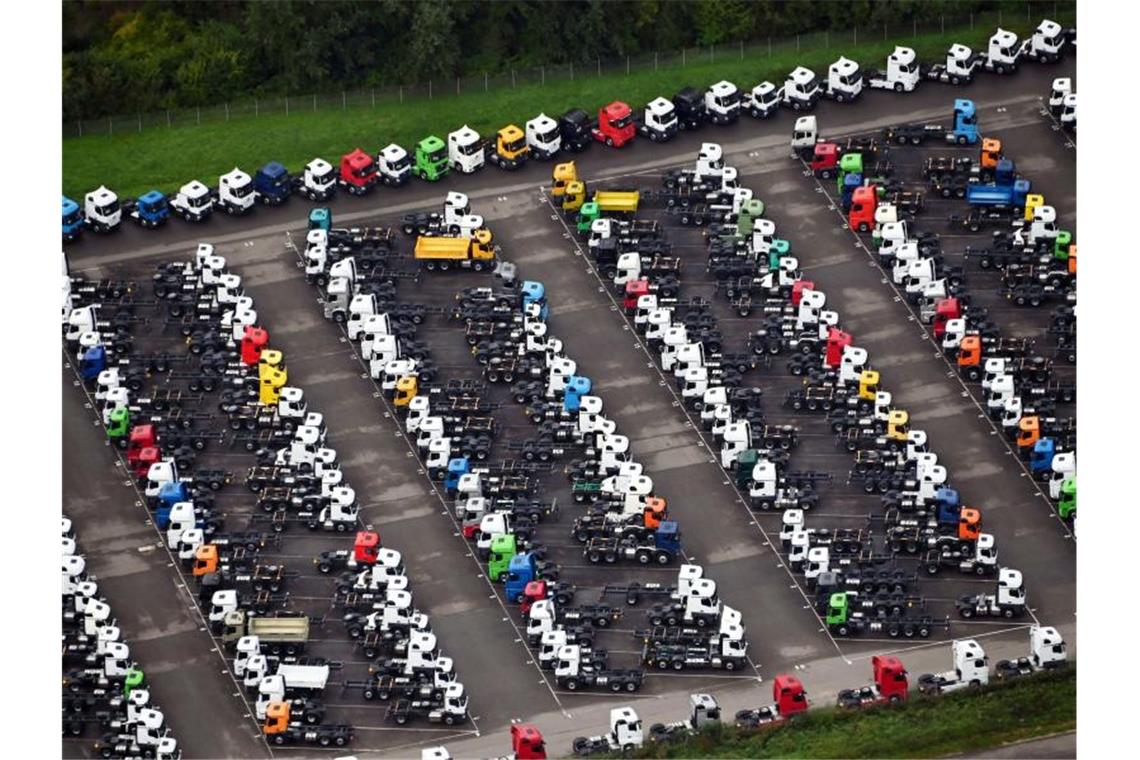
point(431, 159)
point(1067, 506)
point(503, 548)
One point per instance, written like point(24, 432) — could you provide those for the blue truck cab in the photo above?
point(456, 469)
point(72, 220)
point(151, 210)
point(851, 180)
point(521, 570)
point(965, 130)
point(667, 539)
point(577, 386)
point(1041, 456)
point(535, 292)
point(93, 362)
point(948, 505)
point(320, 219)
point(272, 183)
point(169, 494)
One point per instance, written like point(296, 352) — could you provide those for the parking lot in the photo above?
point(474, 624)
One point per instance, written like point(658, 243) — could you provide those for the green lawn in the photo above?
point(165, 158)
point(923, 727)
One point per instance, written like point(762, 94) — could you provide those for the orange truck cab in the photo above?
point(654, 512)
point(861, 216)
point(970, 357)
point(991, 153)
point(205, 560)
point(1028, 433)
point(969, 524)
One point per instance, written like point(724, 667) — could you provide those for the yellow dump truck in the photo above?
point(608, 201)
point(563, 175)
point(443, 253)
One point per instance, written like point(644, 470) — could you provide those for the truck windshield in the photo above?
point(108, 209)
point(906, 68)
point(154, 207)
point(549, 136)
point(849, 79)
point(810, 86)
point(623, 122)
point(197, 201)
point(73, 217)
point(437, 156)
point(515, 145)
point(401, 163)
point(365, 170)
point(325, 176)
point(240, 191)
point(472, 148)
point(728, 101)
point(668, 119)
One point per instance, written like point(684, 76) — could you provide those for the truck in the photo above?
point(72, 220)
point(615, 125)
point(574, 129)
point(843, 622)
point(703, 712)
point(762, 100)
point(971, 669)
point(689, 103)
point(449, 709)
point(801, 90)
point(715, 652)
point(193, 202)
point(296, 680)
point(543, 137)
point(1011, 195)
point(318, 181)
point(1008, 601)
point(150, 210)
point(280, 728)
point(101, 210)
point(431, 159)
point(276, 635)
point(963, 128)
point(273, 184)
point(1046, 44)
point(1002, 52)
point(659, 122)
point(465, 151)
point(901, 74)
point(789, 700)
point(358, 172)
point(235, 192)
point(961, 65)
point(663, 549)
point(624, 737)
point(722, 102)
point(394, 165)
point(571, 673)
point(1046, 652)
point(511, 149)
point(889, 685)
point(477, 253)
point(844, 81)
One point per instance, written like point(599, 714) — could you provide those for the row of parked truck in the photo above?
point(103, 687)
point(543, 137)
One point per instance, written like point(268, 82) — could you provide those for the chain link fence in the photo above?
point(380, 97)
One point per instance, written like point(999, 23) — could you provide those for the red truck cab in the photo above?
point(825, 160)
point(252, 341)
point(861, 216)
point(798, 288)
point(634, 289)
point(358, 172)
point(890, 677)
point(615, 125)
point(789, 695)
point(532, 592)
point(837, 340)
point(527, 742)
point(366, 547)
point(945, 310)
point(142, 450)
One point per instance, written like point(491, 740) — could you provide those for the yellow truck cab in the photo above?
point(563, 175)
point(442, 253)
point(407, 387)
point(511, 150)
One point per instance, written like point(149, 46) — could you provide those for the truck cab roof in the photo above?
point(959, 51)
point(844, 67)
point(659, 106)
point(801, 76)
point(393, 152)
point(576, 116)
point(101, 196)
point(69, 206)
point(430, 144)
point(688, 96)
point(234, 178)
point(903, 56)
point(151, 198)
point(465, 135)
point(273, 170)
point(723, 89)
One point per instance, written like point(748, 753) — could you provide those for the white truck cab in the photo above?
point(193, 201)
point(762, 101)
point(543, 136)
point(1002, 52)
point(722, 102)
point(465, 151)
point(235, 192)
point(319, 180)
point(801, 89)
point(844, 80)
point(102, 210)
point(394, 165)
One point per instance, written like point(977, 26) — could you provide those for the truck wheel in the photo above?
point(898, 87)
point(278, 739)
point(401, 719)
point(449, 719)
point(955, 80)
point(609, 142)
point(962, 139)
point(842, 630)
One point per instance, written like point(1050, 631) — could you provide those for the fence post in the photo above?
point(314, 101)
point(683, 54)
point(429, 90)
point(797, 43)
point(627, 65)
point(742, 50)
point(286, 105)
point(486, 82)
point(512, 79)
point(712, 53)
point(227, 111)
point(80, 122)
point(999, 16)
point(543, 69)
point(943, 25)
point(769, 47)
point(343, 100)
point(571, 71)
point(457, 86)
point(199, 114)
point(971, 20)
point(827, 38)
point(256, 111)
point(655, 56)
point(1027, 11)
point(373, 97)
point(110, 126)
point(915, 28)
point(599, 65)
point(401, 93)
point(167, 117)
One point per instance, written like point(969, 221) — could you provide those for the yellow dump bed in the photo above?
point(447, 248)
point(620, 201)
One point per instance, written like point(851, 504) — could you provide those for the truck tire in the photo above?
point(572, 685)
point(954, 80)
point(609, 142)
point(898, 87)
point(401, 719)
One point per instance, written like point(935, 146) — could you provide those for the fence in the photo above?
point(378, 97)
